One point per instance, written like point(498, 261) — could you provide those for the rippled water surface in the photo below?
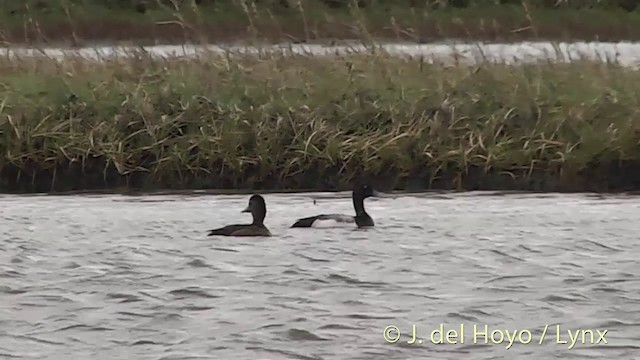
point(135, 277)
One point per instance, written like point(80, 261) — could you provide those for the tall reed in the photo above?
point(296, 122)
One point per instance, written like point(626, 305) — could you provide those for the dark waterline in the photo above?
point(209, 192)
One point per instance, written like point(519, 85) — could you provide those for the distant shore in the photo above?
point(54, 23)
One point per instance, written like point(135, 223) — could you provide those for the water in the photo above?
point(134, 277)
point(624, 53)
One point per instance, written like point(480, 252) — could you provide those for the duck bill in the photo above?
point(377, 193)
point(246, 210)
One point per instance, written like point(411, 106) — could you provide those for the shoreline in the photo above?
point(624, 180)
point(324, 194)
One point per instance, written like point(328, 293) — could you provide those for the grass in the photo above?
point(89, 21)
point(293, 122)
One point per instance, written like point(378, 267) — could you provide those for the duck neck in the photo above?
point(258, 217)
point(358, 204)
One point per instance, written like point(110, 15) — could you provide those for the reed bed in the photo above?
point(79, 22)
point(312, 123)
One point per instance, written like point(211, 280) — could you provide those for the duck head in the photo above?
point(365, 190)
point(257, 207)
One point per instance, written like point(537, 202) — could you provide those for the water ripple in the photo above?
point(116, 276)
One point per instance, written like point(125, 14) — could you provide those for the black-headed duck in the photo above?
point(258, 209)
point(361, 219)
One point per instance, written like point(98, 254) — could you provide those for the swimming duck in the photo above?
point(362, 219)
point(258, 209)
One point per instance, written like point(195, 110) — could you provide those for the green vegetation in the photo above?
point(85, 21)
point(294, 122)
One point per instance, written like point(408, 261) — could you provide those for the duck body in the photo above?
point(240, 230)
point(258, 209)
point(361, 219)
point(325, 220)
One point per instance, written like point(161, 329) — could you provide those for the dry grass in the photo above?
point(293, 122)
point(86, 21)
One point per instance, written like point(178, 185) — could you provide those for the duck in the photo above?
point(361, 219)
point(258, 209)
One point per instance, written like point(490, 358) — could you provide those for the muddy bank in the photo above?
point(97, 175)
